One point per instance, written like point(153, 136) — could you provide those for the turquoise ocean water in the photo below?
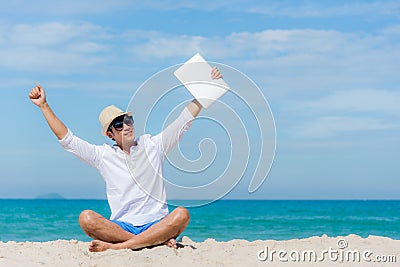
point(44, 220)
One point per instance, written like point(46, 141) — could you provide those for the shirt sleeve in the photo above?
point(89, 153)
point(171, 135)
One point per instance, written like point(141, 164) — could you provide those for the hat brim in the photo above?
point(104, 129)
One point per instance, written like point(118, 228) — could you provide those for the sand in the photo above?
point(329, 251)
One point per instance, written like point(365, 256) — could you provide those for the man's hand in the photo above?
point(215, 74)
point(38, 96)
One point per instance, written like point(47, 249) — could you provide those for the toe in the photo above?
point(172, 243)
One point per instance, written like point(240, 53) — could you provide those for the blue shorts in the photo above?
point(134, 229)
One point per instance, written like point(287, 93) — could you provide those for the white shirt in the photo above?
point(136, 194)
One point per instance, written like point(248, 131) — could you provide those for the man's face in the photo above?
point(122, 131)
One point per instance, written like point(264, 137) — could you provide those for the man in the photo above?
point(135, 193)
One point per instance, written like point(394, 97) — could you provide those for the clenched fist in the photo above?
point(38, 96)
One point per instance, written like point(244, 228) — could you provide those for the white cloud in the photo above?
point(365, 110)
point(288, 46)
point(255, 50)
point(44, 34)
point(190, 4)
point(319, 10)
point(330, 126)
point(393, 30)
point(72, 7)
point(161, 47)
point(293, 9)
point(57, 7)
point(290, 63)
point(52, 47)
point(381, 101)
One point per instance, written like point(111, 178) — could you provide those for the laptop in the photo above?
point(195, 75)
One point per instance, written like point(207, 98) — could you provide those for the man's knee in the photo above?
point(182, 215)
point(87, 219)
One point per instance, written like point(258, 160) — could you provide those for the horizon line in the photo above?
point(242, 199)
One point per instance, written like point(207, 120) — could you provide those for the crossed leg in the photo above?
point(109, 235)
point(98, 227)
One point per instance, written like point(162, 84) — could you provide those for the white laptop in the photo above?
point(195, 75)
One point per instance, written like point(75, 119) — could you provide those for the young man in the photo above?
point(135, 193)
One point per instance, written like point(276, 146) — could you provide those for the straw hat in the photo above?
point(107, 115)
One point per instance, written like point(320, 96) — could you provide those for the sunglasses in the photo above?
point(118, 123)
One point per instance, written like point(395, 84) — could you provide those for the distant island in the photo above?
point(50, 196)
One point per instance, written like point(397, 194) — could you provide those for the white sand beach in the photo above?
point(350, 250)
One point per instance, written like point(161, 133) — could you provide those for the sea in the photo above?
point(223, 220)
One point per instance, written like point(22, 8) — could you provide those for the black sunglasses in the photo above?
point(118, 122)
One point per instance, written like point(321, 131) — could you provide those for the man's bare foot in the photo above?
point(171, 243)
point(98, 245)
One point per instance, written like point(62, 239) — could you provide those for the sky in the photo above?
point(329, 71)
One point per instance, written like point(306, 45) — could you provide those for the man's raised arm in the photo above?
point(38, 97)
point(171, 135)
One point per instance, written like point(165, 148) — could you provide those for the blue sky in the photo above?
point(329, 70)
